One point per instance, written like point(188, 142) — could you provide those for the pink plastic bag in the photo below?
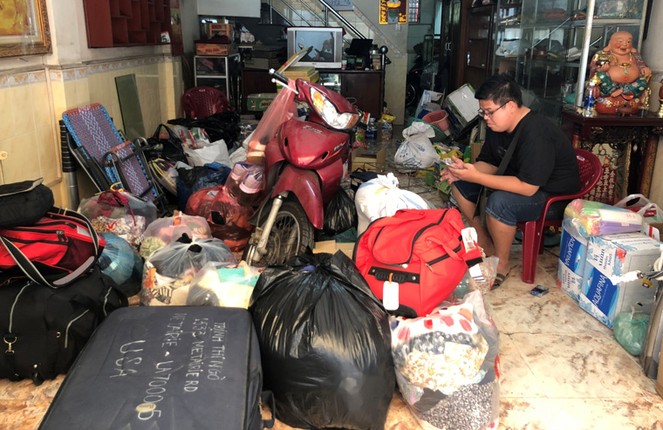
point(279, 111)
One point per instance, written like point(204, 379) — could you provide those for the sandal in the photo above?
point(499, 279)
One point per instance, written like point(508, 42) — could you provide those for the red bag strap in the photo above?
point(34, 274)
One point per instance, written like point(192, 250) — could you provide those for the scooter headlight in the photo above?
point(331, 115)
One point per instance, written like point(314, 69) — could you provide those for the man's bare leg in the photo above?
point(467, 208)
point(502, 235)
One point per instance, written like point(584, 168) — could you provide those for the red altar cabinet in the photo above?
point(626, 146)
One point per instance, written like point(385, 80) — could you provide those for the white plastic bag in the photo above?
point(381, 197)
point(214, 152)
point(417, 151)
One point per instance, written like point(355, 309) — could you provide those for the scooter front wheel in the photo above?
point(291, 234)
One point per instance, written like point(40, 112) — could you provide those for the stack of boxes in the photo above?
point(218, 40)
point(591, 269)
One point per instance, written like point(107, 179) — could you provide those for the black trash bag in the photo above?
point(218, 126)
point(340, 213)
point(325, 344)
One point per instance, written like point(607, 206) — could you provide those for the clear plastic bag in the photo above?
point(169, 271)
point(120, 213)
point(223, 284)
point(168, 229)
point(630, 329)
point(447, 366)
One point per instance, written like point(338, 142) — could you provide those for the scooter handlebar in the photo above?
point(278, 76)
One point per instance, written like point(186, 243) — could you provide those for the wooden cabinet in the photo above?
point(479, 48)
point(365, 88)
point(627, 148)
point(113, 23)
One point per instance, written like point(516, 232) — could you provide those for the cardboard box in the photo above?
point(214, 29)
point(369, 160)
point(206, 48)
point(331, 246)
point(572, 257)
point(609, 257)
point(259, 102)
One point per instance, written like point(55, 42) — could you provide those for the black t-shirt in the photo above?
point(543, 155)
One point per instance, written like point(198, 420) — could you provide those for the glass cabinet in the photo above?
point(541, 42)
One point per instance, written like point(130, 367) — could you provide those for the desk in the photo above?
point(626, 145)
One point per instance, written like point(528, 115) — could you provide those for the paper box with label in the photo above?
point(572, 256)
point(609, 257)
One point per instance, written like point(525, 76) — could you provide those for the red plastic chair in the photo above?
point(532, 231)
point(202, 102)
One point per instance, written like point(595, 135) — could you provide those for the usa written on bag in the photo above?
point(55, 251)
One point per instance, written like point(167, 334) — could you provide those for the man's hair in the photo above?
point(500, 89)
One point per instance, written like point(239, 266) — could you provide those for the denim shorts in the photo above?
point(508, 208)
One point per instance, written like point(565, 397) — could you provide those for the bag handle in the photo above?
point(171, 133)
point(33, 272)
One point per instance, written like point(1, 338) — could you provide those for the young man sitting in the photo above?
point(543, 163)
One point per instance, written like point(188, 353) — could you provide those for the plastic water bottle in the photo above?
point(371, 130)
point(590, 100)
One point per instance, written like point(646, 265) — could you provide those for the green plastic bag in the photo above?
point(630, 329)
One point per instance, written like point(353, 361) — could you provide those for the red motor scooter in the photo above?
point(304, 163)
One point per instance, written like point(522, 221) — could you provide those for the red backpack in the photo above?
point(420, 250)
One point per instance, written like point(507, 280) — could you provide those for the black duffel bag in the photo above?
point(43, 329)
point(164, 143)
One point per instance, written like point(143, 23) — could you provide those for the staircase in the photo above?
point(317, 13)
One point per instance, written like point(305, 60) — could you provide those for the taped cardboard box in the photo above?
point(608, 258)
point(331, 246)
point(572, 258)
point(369, 160)
point(210, 48)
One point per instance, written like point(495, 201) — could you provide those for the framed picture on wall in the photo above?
point(24, 28)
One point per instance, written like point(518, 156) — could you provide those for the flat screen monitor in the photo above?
point(324, 45)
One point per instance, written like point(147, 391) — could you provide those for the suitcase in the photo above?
point(172, 367)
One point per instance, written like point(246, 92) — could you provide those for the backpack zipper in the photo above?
point(66, 333)
point(9, 338)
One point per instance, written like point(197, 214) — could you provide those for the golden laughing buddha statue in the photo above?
point(621, 74)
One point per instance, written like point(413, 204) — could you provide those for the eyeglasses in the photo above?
point(482, 113)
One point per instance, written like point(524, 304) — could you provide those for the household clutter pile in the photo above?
point(439, 347)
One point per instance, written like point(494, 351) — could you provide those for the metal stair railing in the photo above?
point(317, 19)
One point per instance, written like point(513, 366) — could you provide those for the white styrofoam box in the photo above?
point(572, 256)
point(609, 256)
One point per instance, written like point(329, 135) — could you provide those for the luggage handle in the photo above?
point(34, 274)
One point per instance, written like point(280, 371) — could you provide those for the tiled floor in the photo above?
point(560, 368)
